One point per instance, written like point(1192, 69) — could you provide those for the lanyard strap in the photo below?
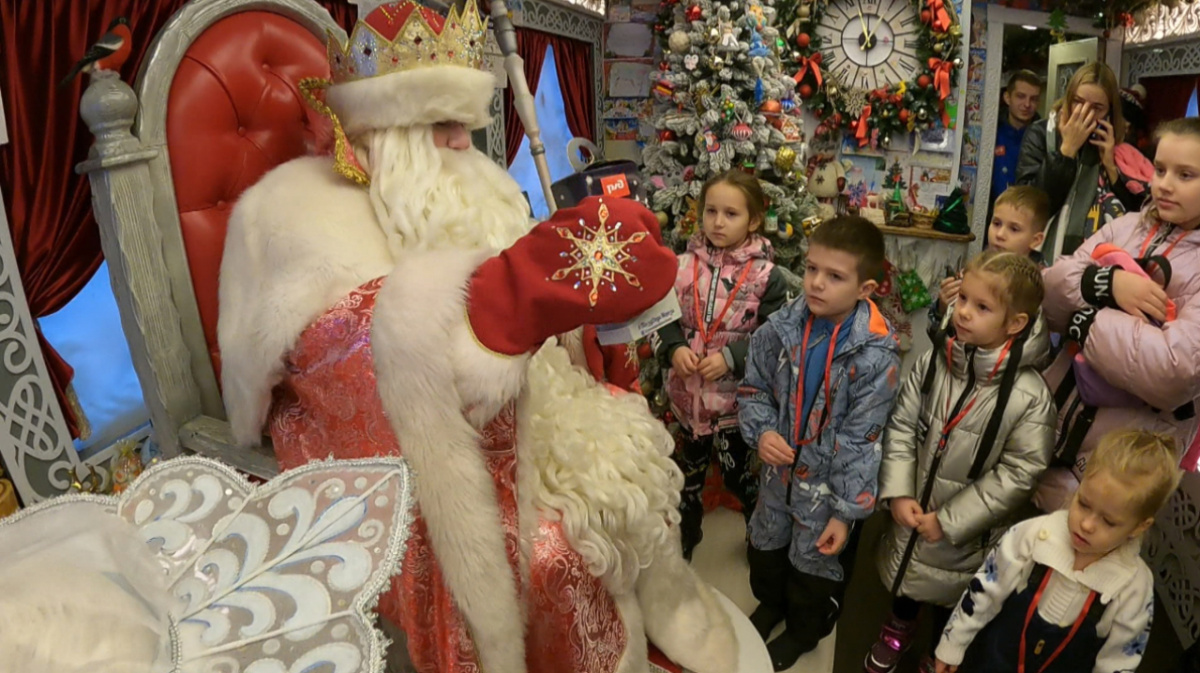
point(1153, 235)
point(803, 351)
point(706, 334)
point(1037, 597)
point(953, 422)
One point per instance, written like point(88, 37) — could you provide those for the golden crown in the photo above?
point(400, 36)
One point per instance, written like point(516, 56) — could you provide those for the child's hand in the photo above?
point(773, 449)
point(684, 361)
point(713, 367)
point(947, 293)
point(906, 512)
point(1139, 296)
point(833, 538)
point(929, 528)
point(940, 666)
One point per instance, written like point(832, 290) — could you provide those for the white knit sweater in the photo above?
point(1122, 580)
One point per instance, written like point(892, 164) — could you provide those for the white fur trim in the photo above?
point(298, 241)
point(429, 373)
point(636, 657)
point(602, 465)
point(444, 93)
point(684, 619)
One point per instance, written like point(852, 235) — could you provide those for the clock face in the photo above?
point(870, 43)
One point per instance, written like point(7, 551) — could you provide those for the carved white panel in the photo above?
point(1182, 58)
point(1172, 547)
point(35, 444)
point(1164, 23)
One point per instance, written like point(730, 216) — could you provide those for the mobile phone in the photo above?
point(1096, 136)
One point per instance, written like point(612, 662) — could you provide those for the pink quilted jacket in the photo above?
point(700, 405)
point(1159, 365)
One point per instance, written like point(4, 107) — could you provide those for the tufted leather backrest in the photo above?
point(234, 113)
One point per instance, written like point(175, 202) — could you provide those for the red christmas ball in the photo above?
point(666, 135)
point(837, 118)
point(805, 91)
point(803, 40)
point(923, 81)
point(644, 351)
point(926, 16)
point(903, 115)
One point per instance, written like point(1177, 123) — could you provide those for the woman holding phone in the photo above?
point(1078, 156)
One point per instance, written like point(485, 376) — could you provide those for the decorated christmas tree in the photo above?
point(723, 102)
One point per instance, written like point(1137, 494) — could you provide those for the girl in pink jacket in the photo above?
point(1128, 301)
point(727, 286)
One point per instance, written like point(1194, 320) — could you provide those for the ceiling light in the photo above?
point(1029, 27)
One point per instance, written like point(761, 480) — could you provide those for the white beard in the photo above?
point(430, 198)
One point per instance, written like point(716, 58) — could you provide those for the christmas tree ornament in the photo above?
point(749, 167)
point(903, 115)
point(710, 141)
point(771, 108)
point(689, 173)
point(926, 16)
point(679, 41)
point(786, 231)
point(785, 159)
point(729, 108)
point(666, 135)
point(809, 224)
point(958, 63)
point(714, 36)
point(691, 61)
point(803, 12)
point(803, 40)
point(741, 131)
point(665, 88)
point(787, 104)
point(924, 81)
point(831, 90)
point(664, 66)
point(923, 113)
point(694, 13)
point(662, 219)
point(771, 223)
point(806, 91)
point(718, 64)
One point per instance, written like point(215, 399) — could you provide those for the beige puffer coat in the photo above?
point(972, 514)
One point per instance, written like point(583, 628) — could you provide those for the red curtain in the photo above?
point(574, 61)
point(531, 46)
point(1167, 97)
point(56, 241)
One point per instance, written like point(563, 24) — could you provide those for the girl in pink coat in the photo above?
point(727, 286)
point(1128, 302)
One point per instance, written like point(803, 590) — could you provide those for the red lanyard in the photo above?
point(953, 422)
point(1037, 597)
point(707, 334)
point(1150, 238)
point(803, 349)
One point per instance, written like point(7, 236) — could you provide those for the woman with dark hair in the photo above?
point(1078, 156)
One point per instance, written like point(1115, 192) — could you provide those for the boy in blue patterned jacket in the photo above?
point(821, 375)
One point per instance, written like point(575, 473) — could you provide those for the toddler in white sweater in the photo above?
point(1068, 591)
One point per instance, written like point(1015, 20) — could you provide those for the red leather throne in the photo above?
point(215, 106)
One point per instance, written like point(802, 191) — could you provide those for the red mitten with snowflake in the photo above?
point(598, 263)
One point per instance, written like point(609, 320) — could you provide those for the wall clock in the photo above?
point(870, 43)
point(874, 67)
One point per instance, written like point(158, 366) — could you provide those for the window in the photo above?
point(87, 333)
point(552, 118)
point(1192, 109)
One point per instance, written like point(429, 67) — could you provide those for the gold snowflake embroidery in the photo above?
point(598, 256)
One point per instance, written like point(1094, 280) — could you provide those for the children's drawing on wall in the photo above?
point(627, 40)
point(626, 108)
point(620, 129)
point(628, 79)
point(936, 140)
point(970, 148)
point(864, 178)
point(976, 70)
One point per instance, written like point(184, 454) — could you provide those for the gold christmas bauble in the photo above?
point(803, 12)
point(785, 158)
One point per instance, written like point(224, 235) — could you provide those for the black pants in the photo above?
point(737, 469)
point(907, 609)
point(812, 604)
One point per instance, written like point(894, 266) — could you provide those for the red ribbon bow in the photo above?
point(806, 64)
point(863, 133)
point(941, 76)
point(941, 19)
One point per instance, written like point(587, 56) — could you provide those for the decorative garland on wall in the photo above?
point(876, 115)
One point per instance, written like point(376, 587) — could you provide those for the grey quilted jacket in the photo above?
point(972, 514)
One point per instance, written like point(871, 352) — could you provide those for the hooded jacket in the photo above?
point(971, 512)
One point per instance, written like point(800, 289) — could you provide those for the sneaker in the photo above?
point(894, 640)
